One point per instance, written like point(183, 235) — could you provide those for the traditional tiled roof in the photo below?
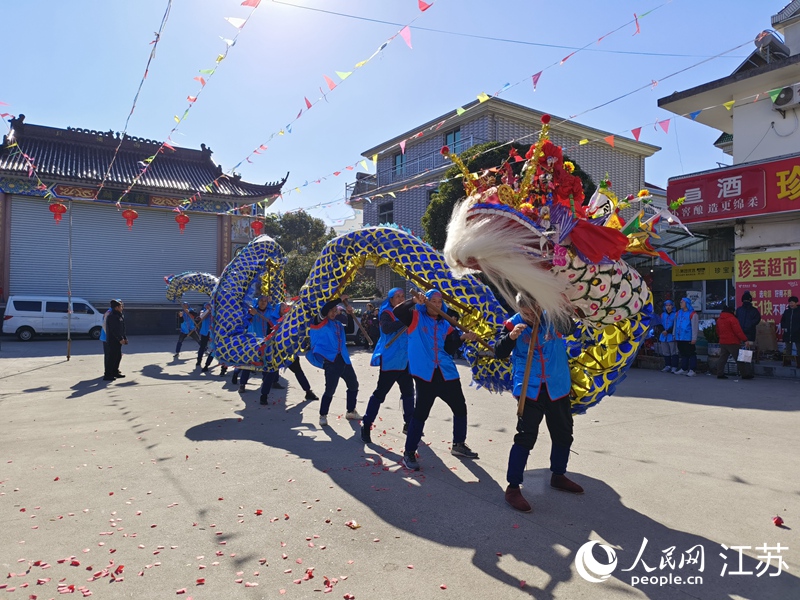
point(82, 156)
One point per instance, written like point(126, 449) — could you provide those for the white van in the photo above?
point(27, 316)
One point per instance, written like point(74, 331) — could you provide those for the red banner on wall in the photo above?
point(739, 191)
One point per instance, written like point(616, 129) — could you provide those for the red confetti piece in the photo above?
point(75, 563)
point(200, 581)
point(443, 586)
point(250, 584)
point(181, 591)
point(522, 583)
point(220, 498)
point(285, 517)
point(56, 479)
point(777, 520)
point(239, 580)
point(348, 597)
point(299, 561)
point(110, 493)
point(410, 566)
point(259, 512)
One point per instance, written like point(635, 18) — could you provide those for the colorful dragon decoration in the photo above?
point(528, 234)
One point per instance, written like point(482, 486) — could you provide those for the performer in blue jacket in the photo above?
point(188, 327)
point(432, 341)
point(263, 316)
point(205, 333)
point(686, 330)
point(391, 355)
point(329, 352)
point(547, 397)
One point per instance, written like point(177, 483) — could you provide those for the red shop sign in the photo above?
point(736, 192)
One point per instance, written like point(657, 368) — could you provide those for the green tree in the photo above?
point(477, 158)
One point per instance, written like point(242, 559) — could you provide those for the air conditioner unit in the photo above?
point(788, 97)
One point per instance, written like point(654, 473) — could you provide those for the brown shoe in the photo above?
point(517, 501)
point(560, 482)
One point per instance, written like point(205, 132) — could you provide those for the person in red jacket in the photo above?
point(731, 336)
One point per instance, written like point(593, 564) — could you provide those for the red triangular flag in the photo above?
point(635, 18)
point(610, 140)
point(298, 114)
point(636, 133)
point(664, 125)
point(423, 7)
point(330, 82)
point(191, 98)
point(566, 58)
point(536, 79)
point(201, 80)
point(308, 104)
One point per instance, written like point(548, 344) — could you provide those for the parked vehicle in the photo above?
point(28, 316)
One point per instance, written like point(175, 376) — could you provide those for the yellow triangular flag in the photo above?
point(343, 74)
point(297, 189)
point(281, 132)
point(220, 58)
point(361, 64)
point(392, 195)
point(375, 160)
point(729, 105)
point(460, 111)
point(582, 142)
point(177, 119)
point(483, 97)
point(364, 164)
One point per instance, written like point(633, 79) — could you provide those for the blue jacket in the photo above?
point(395, 357)
point(426, 337)
point(667, 321)
point(188, 322)
point(686, 323)
point(549, 367)
point(103, 337)
point(327, 340)
point(262, 324)
point(205, 324)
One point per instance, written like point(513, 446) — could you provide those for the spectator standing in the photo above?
point(686, 329)
point(731, 337)
point(749, 316)
point(668, 346)
point(790, 326)
point(117, 338)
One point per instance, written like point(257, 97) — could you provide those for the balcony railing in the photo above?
point(422, 164)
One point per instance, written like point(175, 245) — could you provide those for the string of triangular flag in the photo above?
point(145, 164)
point(404, 33)
point(150, 58)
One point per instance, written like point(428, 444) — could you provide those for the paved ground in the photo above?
point(147, 486)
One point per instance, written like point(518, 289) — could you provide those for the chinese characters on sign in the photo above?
point(703, 271)
point(735, 192)
point(771, 278)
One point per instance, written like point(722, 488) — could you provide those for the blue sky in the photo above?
point(79, 63)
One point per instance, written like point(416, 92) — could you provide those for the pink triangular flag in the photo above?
point(536, 79)
point(403, 146)
point(405, 33)
point(298, 114)
point(423, 6)
point(308, 104)
point(566, 58)
point(330, 82)
point(191, 98)
point(610, 140)
point(636, 133)
point(201, 80)
point(253, 3)
point(664, 125)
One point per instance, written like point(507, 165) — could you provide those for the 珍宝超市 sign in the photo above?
point(767, 266)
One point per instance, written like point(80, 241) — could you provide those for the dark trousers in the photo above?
point(267, 379)
point(113, 358)
point(202, 350)
point(182, 336)
point(726, 350)
point(334, 370)
point(558, 416)
point(688, 354)
point(299, 375)
point(386, 380)
point(106, 360)
point(427, 392)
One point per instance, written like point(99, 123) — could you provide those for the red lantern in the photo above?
point(57, 209)
point(130, 216)
point(257, 227)
point(182, 219)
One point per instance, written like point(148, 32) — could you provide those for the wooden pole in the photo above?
point(528, 362)
point(358, 322)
